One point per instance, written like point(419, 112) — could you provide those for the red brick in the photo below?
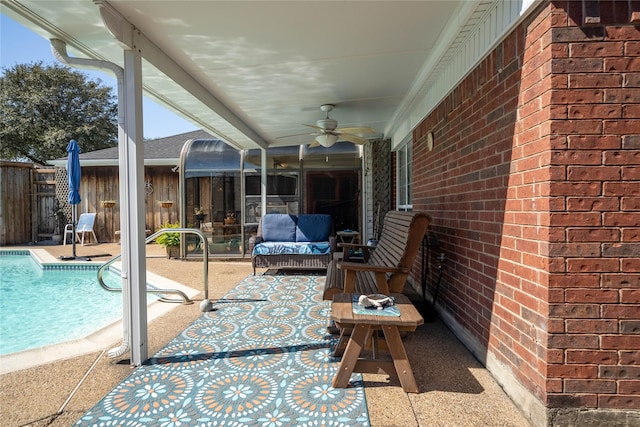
point(614, 157)
point(579, 96)
point(575, 126)
point(631, 80)
point(600, 80)
point(574, 219)
point(573, 341)
point(631, 234)
point(630, 326)
point(596, 296)
point(621, 281)
point(594, 142)
point(630, 173)
point(592, 265)
point(594, 357)
point(589, 386)
point(630, 265)
point(575, 249)
point(630, 204)
point(621, 65)
point(619, 219)
point(631, 111)
point(572, 371)
point(629, 357)
point(594, 173)
point(572, 400)
point(594, 111)
point(573, 281)
point(629, 387)
point(618, 95)
point(621, 189)
point(596, 49)
point(581, 189)
point(619, 371)
point(583, 326)
point(619, 401)
point(593, 235)
point(621, 127)
point(621, 342)
point(626, 250)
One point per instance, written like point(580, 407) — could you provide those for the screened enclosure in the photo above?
point(222, 189)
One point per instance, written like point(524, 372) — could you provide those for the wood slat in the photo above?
point(400, 240)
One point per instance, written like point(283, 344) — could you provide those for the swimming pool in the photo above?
point(44, 305)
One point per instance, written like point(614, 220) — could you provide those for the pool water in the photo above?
point(43, 307)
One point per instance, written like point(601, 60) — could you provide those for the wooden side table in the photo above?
point(348, 236)
point(363, 327)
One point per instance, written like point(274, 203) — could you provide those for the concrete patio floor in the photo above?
point(455, 390)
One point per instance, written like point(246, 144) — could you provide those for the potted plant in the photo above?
point(199, 214)
point(60, 221)
point(171, 241)
point(230, 219)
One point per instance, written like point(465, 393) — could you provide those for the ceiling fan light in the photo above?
point(327, 140)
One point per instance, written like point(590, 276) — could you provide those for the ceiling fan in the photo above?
point(328, 132)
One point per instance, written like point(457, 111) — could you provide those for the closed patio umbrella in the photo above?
point(73, 175)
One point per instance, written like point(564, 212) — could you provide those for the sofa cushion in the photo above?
point(313, 228)
point(279, 228)
point(280, 248)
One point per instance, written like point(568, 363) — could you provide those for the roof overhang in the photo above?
point(253, 72)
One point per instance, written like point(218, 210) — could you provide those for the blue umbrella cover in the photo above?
point(73, 172)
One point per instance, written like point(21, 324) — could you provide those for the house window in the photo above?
point(404, 179)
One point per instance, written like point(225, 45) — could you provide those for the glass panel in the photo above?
point(343, 155)
point(203, 156)
point(216, 204)
point(402, 174)
point(409, 172)
point(280, 158)
point(282, 194)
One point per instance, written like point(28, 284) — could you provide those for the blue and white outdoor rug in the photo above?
point(263, 358)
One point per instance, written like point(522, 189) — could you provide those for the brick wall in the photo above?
point(594, 245)
point(533, 185)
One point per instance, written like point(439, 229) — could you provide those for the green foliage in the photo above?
point(60, 217)
point(44, 107)
point(169, 239)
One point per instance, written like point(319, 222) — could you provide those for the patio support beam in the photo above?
point(132, 200)
point(124, 32)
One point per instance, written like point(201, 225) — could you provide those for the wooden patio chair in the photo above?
point(386, 266)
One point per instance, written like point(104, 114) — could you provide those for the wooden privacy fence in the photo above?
point(28, 198)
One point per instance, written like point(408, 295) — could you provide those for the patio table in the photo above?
point(356, 329)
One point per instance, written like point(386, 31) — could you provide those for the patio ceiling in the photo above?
point(254, 71)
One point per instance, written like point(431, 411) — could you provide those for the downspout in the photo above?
point(59, 49)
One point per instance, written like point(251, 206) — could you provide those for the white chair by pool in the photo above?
point(85, 225)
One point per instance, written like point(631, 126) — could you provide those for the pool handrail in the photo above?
point(185, 298)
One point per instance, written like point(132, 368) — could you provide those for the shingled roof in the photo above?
point(157, 152)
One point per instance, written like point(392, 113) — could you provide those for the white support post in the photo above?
point(263, 180)
point(133, 218)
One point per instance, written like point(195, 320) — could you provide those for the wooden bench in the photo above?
point(387, 266)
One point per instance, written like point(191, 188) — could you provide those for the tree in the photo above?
point(43, 107)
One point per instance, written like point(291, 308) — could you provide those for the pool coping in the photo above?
point(102, 339)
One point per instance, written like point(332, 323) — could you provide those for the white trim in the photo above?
point(472, 35)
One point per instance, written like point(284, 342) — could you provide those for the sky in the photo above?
point(19, 45)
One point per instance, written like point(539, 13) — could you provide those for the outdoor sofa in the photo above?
point(293, 242)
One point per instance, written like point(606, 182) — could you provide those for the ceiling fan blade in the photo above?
point(315, 143)
point(295, 134)
point(364, 129)
point(315, 127)
point(353, 138)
